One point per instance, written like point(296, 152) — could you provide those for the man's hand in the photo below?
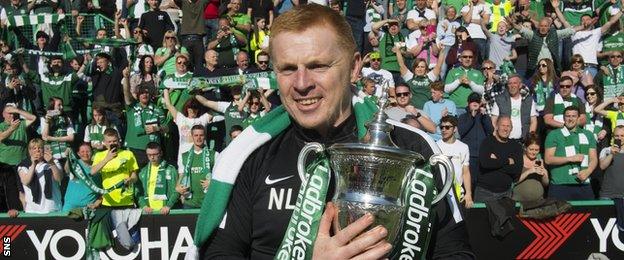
point(344, 244)
point(615, 149)
point(164, 210)
point(444, 112)
point(147, 210)
point(511, 161)
point(468, 202)
point(583, 175)
point(110, 155)
point(12, 213)
point(577, 158)
point(464, 80)
point(204, 183)
point(181, 189)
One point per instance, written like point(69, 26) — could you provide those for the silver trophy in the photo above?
point(373, 175)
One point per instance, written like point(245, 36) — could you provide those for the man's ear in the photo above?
point(357, 66)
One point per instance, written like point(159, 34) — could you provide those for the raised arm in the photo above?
point(170, 107)
point(125, 83)
point(601, 109)
point(614, 19)
point(207, 103)
point(555, 5)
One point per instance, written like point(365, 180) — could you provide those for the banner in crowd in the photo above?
point(588, 228)
point(259, 80)
point(35, 19)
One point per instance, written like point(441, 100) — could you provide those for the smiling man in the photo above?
point(315, 58)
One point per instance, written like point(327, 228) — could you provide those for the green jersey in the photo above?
point(568, 143)
point(461, 93)
point(197, 167)
point(419, 86)
point(60, 86)
point(13, 148)
point(138, 117)
point(612, 42)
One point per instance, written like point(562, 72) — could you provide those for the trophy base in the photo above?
point(388, 215)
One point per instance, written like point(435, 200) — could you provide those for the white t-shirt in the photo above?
point(184, 129)
point(371, 73)
point(414, 15)
point(412, 39)
point(460, 156)
point(516, 119)
point(585, 43)
point(474, 29)
point(45, 205)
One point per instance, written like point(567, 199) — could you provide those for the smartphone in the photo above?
point(113, 148)
point(538, 162)
point(618, 142)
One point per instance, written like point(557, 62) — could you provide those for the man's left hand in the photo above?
point(164, 210)
point(583, 175)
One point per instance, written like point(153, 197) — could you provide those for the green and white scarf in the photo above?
point(571, 150)
point(35, 19)
point(164, 174)
point(257, 80)
point(613, 83)
point(146, 116)
point(207, 156)
point(115, 43)
point(560, 105)
point(311, 197)
point(593, 125)
point(541, 93)
point(175, 81)
point(79, 170)
point(58, 127)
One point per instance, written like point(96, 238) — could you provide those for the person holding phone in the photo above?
point(612, 162)
point(534, 172)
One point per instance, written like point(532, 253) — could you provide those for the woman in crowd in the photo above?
point(192, 114)
point(419, 78)
point(595, 121)
point(147, 73)
point(166, 55)
point(79, 194)
point(534, 177)
point(57, 129)
point(94, 132)
point(543, 83)
point(259, 37)
point(255, 100)
point(462, 42)
point(580, 76)
point(40, 176)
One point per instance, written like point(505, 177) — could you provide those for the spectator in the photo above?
point(474, 14)
point(473, 127)
point(459, 154)
point(242, 65)
point(445, 34)
point(463, 41)
point(144, 122)
point(192, 29)
point(210, 68)
point(419, 13)
point(230, 110)
point(227, 43)
point(421, 43)
point(543, 83)
point(500, 161)
point(94, 132)
point(43, 43)
point(262, 62)
point(611, 161)
point(390, 37)
point(79, 194)
point(520, 108)
point(185, 120)
point(146, 75)
point(493, 84)
point(612, 40)
point(534, 178)
point(374, 11)
point(595, 121)
point(404, 108)
point(555, 105)
point(156, 189)
point(398, 10)
point(500, 10)
point(419, 79)
point(196, 172)
point(259, 37)
point(155, 25)
point(56, 83)
point(501, 48)
point(377, 73)
point(615, 117)
point(463, 80)
point(40, 176)
point(18, 89)
point(141, 50)
point(239, 21)
point(179, 81)
point(235, 131)
point(106, 78)
point(611, 79)
point(580, 76)
point(571, 155)
point(438, 106)
point(57, 129)
point(261, 9)
point(255, 99)
point(165, 57)
point(13, 147)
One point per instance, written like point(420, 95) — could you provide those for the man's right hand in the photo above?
point(344, 244)
point(147, 210)
point(110, 155)
point(577, 158)
point(180, 189)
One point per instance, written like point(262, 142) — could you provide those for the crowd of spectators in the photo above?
point(513, 91)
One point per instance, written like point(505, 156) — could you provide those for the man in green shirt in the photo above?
point(157, 182)
point(230, 110)
point(611, 78)
point(55, 83)
point(144, 121)
point(463, 80)
point(556, 105)
point(196, 172)
point(13, 145)
point(571, 155)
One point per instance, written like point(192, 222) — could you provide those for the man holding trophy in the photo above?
point(278, 177)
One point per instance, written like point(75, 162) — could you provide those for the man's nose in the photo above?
point(302, 79)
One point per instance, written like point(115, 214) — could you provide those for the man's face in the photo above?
point(314, 74)
point(447, 130)
point(110, 140)
point(35, 152)
point(242, 60)
point(421, 4)
point(375, 63)
point(570, 119)
point(467, 58)
point(394, 29)
point(544, 26)
point(101, 34)
point(513, 85)
point(403, 96)
point(436, 95)
point(234, 134)
point(472, 106)
point(372, 39)
point(15, 2)
point(144, 97)
point(586, 21)
point(84, 152)
point(234, 5)
point(369, 88)
point(263, 62)
point(199, 137)
point(565, 88)
point(618, 134)
point(181, 65)
point(102, 64)
point(8, 117)
point(153, 155)
point(152, 3)
point(503, 128)
point(615, 58)
point(56, 65)
point(211, 57)
point(400, 4)
point(42, 40)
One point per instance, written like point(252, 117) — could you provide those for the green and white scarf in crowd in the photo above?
point(613, 83)
point(35, 19)
point(560, 105)
point(163, 174)
point(571, 150)
point(298, 243)
point(594, 125)
point(265, 80)
point(65, 50)
point(115, 43)
point(541, 93)
point(176, 81)
point(79, 170)
point(208, 159)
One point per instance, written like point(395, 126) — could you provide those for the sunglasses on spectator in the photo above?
point(543, 65)
point(467, 57)
point(181, 62)
point(565, 86)
point(590, 93)
point(487, 68)
point(137, 31)
point(402, 94)
point(578, 61)
point(615, 56)
point(375, 59)
point(255, 103)
point(263, 62)
point(446, 127)
point(170, 37)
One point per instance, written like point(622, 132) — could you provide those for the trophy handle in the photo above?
point(309, 147)
point(439, 159)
